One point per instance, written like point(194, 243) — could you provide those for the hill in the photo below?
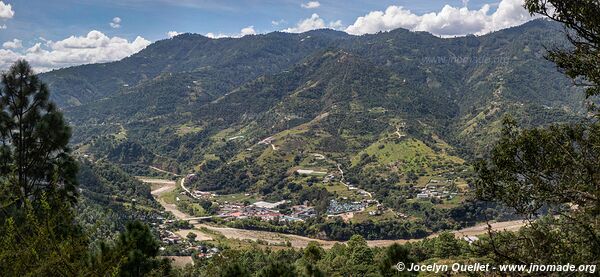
point(392, 114)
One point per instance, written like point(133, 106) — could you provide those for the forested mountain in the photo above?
point(394, 110)
point(174, 95)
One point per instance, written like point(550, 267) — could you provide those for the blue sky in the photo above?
point(28, 25)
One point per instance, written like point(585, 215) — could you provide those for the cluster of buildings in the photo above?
point(380, 210)
point(206, 252)
point(302, 212)
point(328, 178)
point(433, 190)
point(263, 210)
point(168, 237)
point(266, 211)
point(201, 194)
point(336, 207)
point(310, 172)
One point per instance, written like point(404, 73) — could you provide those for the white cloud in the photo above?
point(277, 22)
point(217, 36)
point(172, 34)
point(335, 24)
point(6, 11)
point(115, 23)
point(243, 32)
point(248, 31)
point(313, 23)
point(449, 21)
point(13, 44)
point(7, 57)
point(3, 26)
point(95, 47)
point(311, 5)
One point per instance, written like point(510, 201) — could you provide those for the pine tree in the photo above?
point(552, 170)
point(34, 137)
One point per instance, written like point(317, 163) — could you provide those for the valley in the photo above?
point(279, 140)
point(299, 138)
point(318, 135)
point(278, 240)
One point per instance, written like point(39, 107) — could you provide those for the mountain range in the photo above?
point(392, 109)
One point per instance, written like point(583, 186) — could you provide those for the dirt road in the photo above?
point(165, 186)
point(300, 241)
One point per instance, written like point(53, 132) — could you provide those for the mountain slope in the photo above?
point(388, 113)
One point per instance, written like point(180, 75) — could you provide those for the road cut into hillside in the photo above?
point(296, 241)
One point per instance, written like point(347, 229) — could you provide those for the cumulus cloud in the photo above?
point(95, 47)
point(277, 22)
point(248, 31)
point(115, 23)
point(6, 11)
point(313, 23)
point(311, 5)
point(3, 26)
point(13, 44)
point(449, 21)
point(217, 36)
point(335, 24)
point(172, 34)
point(243, 32)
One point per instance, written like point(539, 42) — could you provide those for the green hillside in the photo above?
point(392, 114)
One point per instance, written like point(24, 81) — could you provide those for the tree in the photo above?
point(312, 254)
point(582, 24)
point(38, 234)
point(34, 154)
point(277, 269)
point(360, 260)
point(191, 236)
point(140, 248)
point(40, 239)
point(553, 170)
point(446, 246)
point(392, 255)
point(132, 254)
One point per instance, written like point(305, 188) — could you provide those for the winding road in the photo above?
point(300, 241)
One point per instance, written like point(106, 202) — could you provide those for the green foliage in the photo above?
point(581, 20)
point(277, 269)
point(354, 258)
point(191, 236)
point(40, 239)
point(40, 235)
point(140, 247)
point(392, 255)
point(132, 254)
point(535, 170)
point(337, 95)
point(34, 137)
point(446, 245)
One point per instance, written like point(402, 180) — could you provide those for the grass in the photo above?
point(410, 154)
point(122, 134)
point(452, 203)
point(364, 216)
point(341, 190)
point(188, 129)
point(238, 197)
point(169, 197)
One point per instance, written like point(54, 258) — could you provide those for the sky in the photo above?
point(61, 33)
